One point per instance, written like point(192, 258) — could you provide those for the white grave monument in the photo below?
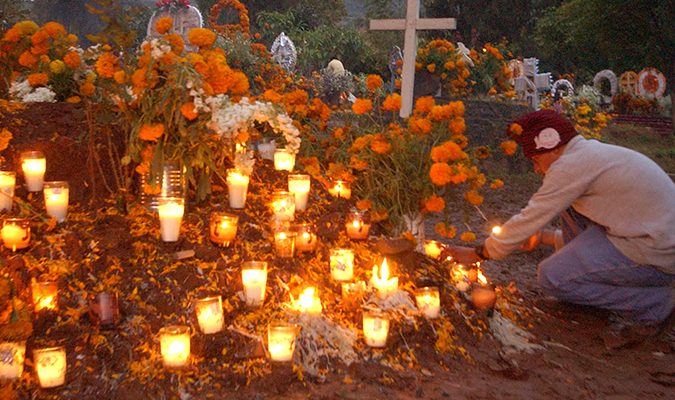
point(283, 52)
point(411, 24)
point(531, 83)
point(184, 20)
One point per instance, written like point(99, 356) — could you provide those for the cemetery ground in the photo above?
point(107, 245)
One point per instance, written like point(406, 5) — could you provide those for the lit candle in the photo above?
point(15, 233)
point(254, 278)
point(56, 199)
point(210, 314)
point(428, 301)
point(308, 302)
point(281, 341)
point(341, 189)
point(383, 284)
point(50, 365)
point(7, 183)
point(433, 248)
point(12, 357)
point(266, 148)
point(496, 229)
point(375, 328)
point(342, 264)
point(357, 224)
point(464, 276)
point(223, 227)
point(299, 184)
point(104, 309)
point(284, 243)
point(284, 160)
point(352, 294)
point(237, 186)
point(171, 210)
point(45, 295)
point(174, 343)
point(34, 166)
point(483, 295)
point(305, 240)
point(283, 206)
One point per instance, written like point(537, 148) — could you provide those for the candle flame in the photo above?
point(224, 224)
point(47, 301)
point(305, 235)
point(307, 301)
point(338, 186)
point(282, 235)
point(355, 223)
point(497, 230)
point(282, 203)
point(177, 347)
point(384, 272)
point(54, 197)
point(481, 278)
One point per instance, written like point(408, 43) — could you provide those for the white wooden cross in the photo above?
point(411, 24)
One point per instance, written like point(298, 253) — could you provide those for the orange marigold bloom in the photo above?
point(431, 68)
point(106, 65)
point(72, 59)
point(422, 125)
point(241, 83)
point(457, 126)
point(515, 129)
point(358, 163)
point(311, 165)
point(272, 96)
point(379, 144)
point(54, 29)
point(163, 25)
point(392, 102)
point(74, 99)
point(176, 42)
point(496, 184)
point(379, 215)
point(362, 106)
point(39, 37)
point(87, 89)
point(359, 144)
point(151, 132)
point(38, 79)
point(449, 65)
point(468, 237)
point(508, 147)
point(440, 174)
point(481, 153)
point(473, 198)
point(435, 204)
point(424, 104)
point(12, 35)
point(188, 110)
point(28, 59)
point(364, 204)
point(446, 231)
point(120, 77)
point(201, 37)
point(374, 81)
point(338, 133)
point(42, 48)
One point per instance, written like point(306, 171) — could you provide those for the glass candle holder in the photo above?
point(45, 296)
point(342, 264)
point(357, 224)
point(171, 210)
point(56, 199)
point(15, 233)
point(223, 228)
point(34, 165)
point(7, 184)
point(12, 357)
point(174, 343)
point(237, 187)
point(308, 302)
point(375, 328)
point(104, 309)
point(465, 275)
point(266, 148)
point(353, 294)
point(283, 207)
point(254, 279)
point(209, 312)
point(281, 341)
point(305, 239)
point(299, 184)
point(340, 189)
point(428, 301)
point(50, 366)
point(433, 248)
point(284, 160)
point(284, 243)
point(483, 295)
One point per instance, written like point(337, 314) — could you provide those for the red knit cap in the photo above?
point(541, 131)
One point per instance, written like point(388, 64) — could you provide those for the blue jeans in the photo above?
point(590, 271)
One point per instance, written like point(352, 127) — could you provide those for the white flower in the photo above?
point(19, 89)
point(40, 95)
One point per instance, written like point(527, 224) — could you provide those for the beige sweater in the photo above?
point(617, 188)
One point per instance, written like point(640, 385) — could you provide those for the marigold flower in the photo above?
point(38, 79)
point(473, 197)
point(120, 77)
point(5, 137)
point(57, 66)
point(241, 83)
point(72, 59)
point(380, 145)
point(39, 37)
point(431, 68)
point(508, 147)
point(422, 125)
point(106, 65)
point(54, 29)
point(311, 165)
point(87, 89)
point(392, 102)
point(362, 106)
point(28, 59)
point(481, 152)
point(435, 204)
point(379, 214)
point(272, 96)
point(457, 126)
point(74, 99)
point(338, 133)
point(374, 81)
point(446, 231)
point(449, 65)
point(188, 110)
point(176, 42)
point(364, 204)
point(26, 27)
point(440, 174)
point(163, 25)
point(496, 184)
point(12, 35)
point(72, 38)
point(358, 163)
point(359, 144)
point(515, 129)
point(468, 237)
point(424, 104)
point(151, 132)
point(201, 37)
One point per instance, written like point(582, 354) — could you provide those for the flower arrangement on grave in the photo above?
point(491, 72)
point(441, 58)
point(244, 24)
point(584, 110)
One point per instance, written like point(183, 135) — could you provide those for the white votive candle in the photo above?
point(299, 184)
point(50, 365)
point(284, 243)
point(283, 206)
point(175, 345)
point(341, 189)
point(237, 186)
point(284, 160)
point(56, 199)
point(171, 210)
point(342, 264)
point(357, 225)
point(34, 165)
point(12, 357)
point(306, 237)
point(428, 301)
point(7, 183)
point(375, 328)
point(308, 302)
point(223, 227)
point(210, 314)
point(15, 233)
point(385, 286)
point(254, 279)
point(281, 341)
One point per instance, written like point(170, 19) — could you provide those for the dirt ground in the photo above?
point(105, 245)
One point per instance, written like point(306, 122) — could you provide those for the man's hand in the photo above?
point(464, 255)
point(532, 242)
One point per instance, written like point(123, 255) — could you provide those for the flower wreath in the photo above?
point(244, 25)
point(651, 83)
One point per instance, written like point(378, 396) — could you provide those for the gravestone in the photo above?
point(395, 57)
point(335, 68)
point(531, 83)
point(283, 52)
point(605, 97)
point(184, 20)
point(562, 88)
point(628, 83)
point(651, 83)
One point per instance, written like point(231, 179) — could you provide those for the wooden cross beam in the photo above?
point(411, 24)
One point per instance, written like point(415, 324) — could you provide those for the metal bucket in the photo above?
point(170, 184)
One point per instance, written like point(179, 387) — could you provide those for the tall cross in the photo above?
point(411, 24)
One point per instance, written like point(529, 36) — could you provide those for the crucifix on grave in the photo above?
point(411, 24)
point(531, 82)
